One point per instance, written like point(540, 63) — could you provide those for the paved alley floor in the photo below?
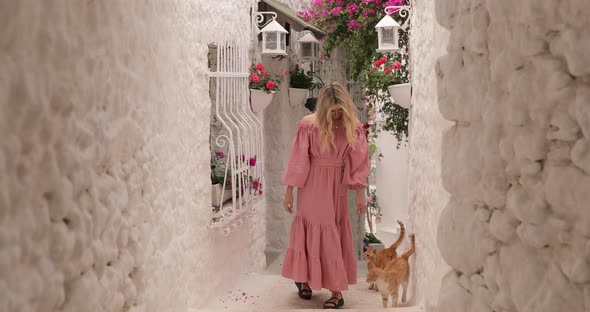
point(268, 291)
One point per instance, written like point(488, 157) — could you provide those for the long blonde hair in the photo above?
point(331, 96)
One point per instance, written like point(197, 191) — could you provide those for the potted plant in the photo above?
point(220, 186)
point(390, 74)
point(300, 83)
point(372, 241)
point(263, 85)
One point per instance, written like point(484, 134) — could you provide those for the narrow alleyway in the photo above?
point(268, 291)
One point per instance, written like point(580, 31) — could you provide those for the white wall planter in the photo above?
point(377, 246)
point(216, 199)
point(259, 99)
point(400, 93)
point(297, 96)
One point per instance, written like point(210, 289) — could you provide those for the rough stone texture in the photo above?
point(104, 122)
point(426, 195)
point(515, 82)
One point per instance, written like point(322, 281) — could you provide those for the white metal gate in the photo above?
point(240, 135)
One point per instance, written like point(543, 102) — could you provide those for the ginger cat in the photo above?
point(381, 258)
point(396, 273)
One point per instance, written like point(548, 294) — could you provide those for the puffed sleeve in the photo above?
point(298, 166)
point(356, 169)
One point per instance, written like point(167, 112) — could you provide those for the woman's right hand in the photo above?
point(288, 201)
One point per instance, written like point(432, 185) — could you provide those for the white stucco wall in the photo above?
point(517, 160)
point(392, 186)
point(426, 195)
point(104, 128)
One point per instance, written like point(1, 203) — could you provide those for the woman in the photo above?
point(329, 155)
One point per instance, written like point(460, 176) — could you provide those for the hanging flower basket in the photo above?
point(259, 99)
point(297, 96)
point(401, 95)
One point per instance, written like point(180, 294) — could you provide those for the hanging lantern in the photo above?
point(388, 33)
point(309, 46)
point(274, 39)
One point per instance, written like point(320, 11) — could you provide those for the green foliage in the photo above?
point(395, 119)
point(372, 239)
point(300, 79)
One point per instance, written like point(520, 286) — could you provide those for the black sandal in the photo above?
point(330, 304)
point(302, 295)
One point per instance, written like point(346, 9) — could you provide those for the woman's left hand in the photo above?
point(361, 203)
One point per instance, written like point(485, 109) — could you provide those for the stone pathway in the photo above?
point(268, 291)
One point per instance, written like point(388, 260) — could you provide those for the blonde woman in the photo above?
point(329, 155)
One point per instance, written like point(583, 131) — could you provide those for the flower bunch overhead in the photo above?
point(350, 24)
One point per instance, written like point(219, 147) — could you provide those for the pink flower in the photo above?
point(220, 154)
point(352, 24)
point(260, 67)
point(396, 65)
point(336, 10)
point(254, 78)
point(260, 192)
point(316, 3)
point(352, 9)
point(387, 70)
point(270, 85)
point(252, 162)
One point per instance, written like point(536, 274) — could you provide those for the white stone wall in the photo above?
point(517, 160)
point(426, 195)
point(104, 122)
point(392, 186)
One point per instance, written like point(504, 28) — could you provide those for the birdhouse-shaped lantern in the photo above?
point(388, 33)
point(274, 39)
point(309, 46)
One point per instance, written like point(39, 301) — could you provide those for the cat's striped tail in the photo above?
point(412, 249)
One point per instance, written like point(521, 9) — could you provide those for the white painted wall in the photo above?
point(516, 162)
point(104, 128)
point(426, 195)
point(392, 186)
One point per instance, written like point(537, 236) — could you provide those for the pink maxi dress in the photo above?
point(321, 250)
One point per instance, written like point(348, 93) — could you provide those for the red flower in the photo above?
point(260, 67)
point(253, 160)
point(377, 63)
point(387, 70)
point(260, 192)
point(254, 78)
point(396, 65)
point(383, 60)
point(270, 85)
point(264, 74)
point(367, 126)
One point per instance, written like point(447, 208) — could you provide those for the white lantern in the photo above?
point(309, 46)
point(274, 39)
point(388, 33)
